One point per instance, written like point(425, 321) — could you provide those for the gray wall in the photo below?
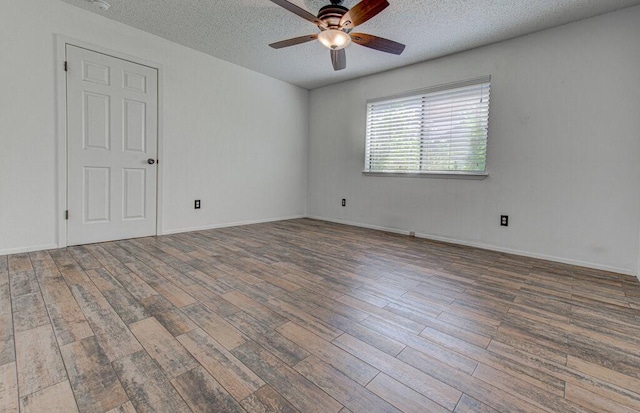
point(231, 137)
point(563, 152)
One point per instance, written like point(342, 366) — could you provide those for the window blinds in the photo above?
point(436, 130)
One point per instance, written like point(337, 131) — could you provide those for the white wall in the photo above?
point(564, 149)
point(233, 138)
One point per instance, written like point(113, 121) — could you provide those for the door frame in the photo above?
point(61, 131)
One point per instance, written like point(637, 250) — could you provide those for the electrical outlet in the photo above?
point(344, 202)
point(196, 204)
point(504, 220)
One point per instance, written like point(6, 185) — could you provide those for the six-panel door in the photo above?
point(112, 118)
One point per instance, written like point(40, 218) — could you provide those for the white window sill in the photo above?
point(445, 175)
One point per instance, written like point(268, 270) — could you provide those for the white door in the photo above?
point(112, 118)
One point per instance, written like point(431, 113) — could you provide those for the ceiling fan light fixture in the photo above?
point(334, 39)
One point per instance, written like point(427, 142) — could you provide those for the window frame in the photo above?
point(459, 174)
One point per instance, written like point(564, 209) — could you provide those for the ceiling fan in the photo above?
point(335, 23)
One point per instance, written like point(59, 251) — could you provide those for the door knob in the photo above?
point(151, 161)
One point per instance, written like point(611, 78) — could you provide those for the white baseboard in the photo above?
point(490, 247)
point(357, 224)
point(229, 224)
point(562, 260)
point(475, 244)
point(20, 250)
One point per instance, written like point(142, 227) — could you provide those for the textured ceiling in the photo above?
point(239, 31)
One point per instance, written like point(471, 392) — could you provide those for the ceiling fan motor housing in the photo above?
point(331, 15)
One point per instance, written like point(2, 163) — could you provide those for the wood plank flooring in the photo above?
point(308, 316)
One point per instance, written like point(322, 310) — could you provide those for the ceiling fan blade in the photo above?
point(300, 12)
point(362, 12)
point(294, 41)
point(339, 59)
point(377, 43)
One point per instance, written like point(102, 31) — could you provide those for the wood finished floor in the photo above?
point(310, 316)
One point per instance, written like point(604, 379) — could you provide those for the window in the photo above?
point(437, 130)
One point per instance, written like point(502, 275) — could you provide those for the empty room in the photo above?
point(319, 206)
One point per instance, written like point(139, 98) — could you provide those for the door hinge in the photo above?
point(66, 214)
point(66, 66)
